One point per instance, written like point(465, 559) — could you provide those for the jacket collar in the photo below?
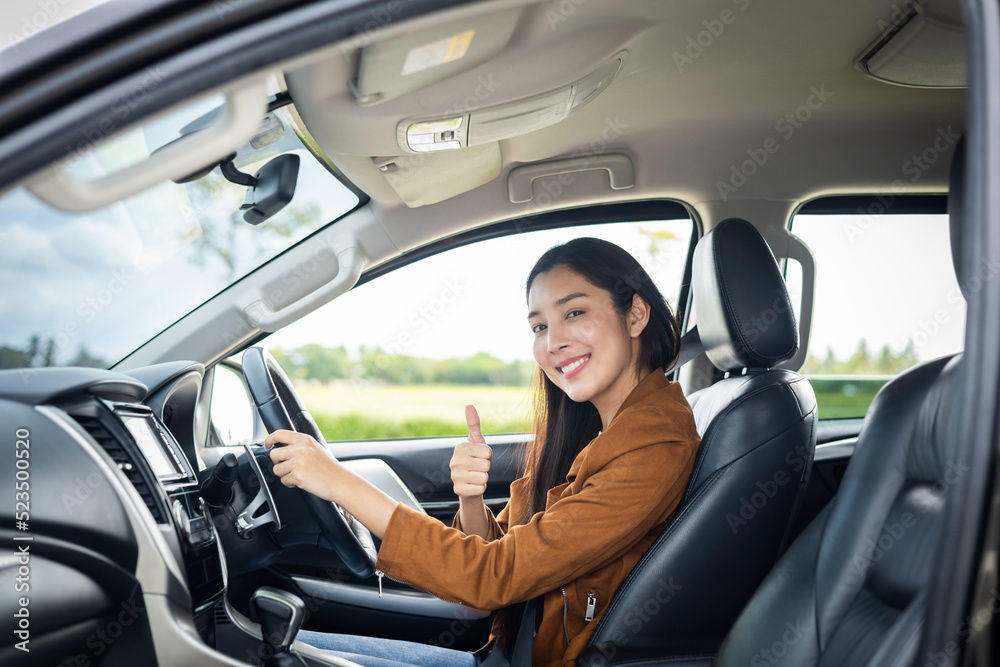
point(656, 379)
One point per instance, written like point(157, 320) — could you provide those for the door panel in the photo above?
point(423, 466)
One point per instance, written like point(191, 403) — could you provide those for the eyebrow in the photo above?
point(560, 302)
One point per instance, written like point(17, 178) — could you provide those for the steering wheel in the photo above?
point(280, 407)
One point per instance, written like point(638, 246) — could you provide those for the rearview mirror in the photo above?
point(272, 189)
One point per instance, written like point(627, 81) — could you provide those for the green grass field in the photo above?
point(367, 411)
point(371, 411)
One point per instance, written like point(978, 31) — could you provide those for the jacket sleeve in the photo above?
point(500, 524)
point(617, 506)
point(497, 527)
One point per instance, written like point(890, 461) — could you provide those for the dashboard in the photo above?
point(113, 551)
point(108, 530)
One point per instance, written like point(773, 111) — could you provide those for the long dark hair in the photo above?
point(564, 427)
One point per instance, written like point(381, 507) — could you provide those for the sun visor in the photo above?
point(428, 178)
point(925, 49)
point(389, 68)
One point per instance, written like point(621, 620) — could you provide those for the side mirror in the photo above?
point(272, 188)
point(231, 412)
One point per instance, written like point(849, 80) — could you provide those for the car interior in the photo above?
point(224, 172)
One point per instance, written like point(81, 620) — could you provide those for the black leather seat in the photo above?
point(852, 589)
point(758, 429)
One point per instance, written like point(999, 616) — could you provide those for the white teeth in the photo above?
point(568, 368)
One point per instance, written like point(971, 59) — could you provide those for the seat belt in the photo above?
point(521, 656)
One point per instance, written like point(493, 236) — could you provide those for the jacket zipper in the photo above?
point(380, 574)
point(565, 613)
point(591, 606)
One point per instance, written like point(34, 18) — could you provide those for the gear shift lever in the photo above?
point(281, 615)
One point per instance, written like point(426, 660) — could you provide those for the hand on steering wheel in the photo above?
point(301, 462)
point(282, 410)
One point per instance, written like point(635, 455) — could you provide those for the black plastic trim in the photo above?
point(887, 204)
point(640, 211)
point(966, 561)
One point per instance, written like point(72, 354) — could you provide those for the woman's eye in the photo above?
point(573, 313)
point(538, 328)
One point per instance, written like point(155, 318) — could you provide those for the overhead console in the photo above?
point(502, 121)
point(428, 102)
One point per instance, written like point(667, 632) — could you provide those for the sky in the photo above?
point(22, 19)
point(470, 299)
point(888, 279)
point(109, 280)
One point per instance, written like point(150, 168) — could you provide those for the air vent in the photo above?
point(221, 617)
point(120, 455)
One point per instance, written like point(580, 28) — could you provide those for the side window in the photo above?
point(401, 356)
point(886, 298)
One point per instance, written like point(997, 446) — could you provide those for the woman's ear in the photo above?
point(638, 316)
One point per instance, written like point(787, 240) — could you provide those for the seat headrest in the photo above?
point(745, 318)
point(956, 212)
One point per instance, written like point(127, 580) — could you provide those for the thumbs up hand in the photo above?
point(470, 464)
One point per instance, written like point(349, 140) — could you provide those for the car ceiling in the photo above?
point(684, 126)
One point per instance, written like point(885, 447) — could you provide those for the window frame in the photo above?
point(612, 213)
point(870, 204)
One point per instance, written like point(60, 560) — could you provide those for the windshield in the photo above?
point(87, 289)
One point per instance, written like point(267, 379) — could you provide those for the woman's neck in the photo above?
point(608, 405)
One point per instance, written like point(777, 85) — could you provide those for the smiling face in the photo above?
point(583, 345)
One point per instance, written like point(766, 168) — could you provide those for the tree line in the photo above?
point(862, 361)
point(325, 364)
point(39, 353)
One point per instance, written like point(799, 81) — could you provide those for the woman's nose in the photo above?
point(556, 338)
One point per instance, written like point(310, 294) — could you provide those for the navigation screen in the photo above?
point(152, 446)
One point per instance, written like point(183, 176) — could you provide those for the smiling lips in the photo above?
point(573, 365)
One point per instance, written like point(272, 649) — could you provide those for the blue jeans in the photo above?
point(377, 652)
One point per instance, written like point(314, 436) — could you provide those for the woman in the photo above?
point(614, 449)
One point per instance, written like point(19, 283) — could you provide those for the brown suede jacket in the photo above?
point(621, 492)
